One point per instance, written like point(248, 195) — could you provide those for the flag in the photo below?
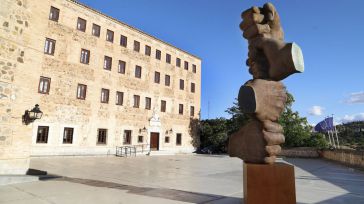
point(321, 126)
point(325, 125)
point(329, 123)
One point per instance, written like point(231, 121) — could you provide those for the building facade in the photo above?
point(99, 82)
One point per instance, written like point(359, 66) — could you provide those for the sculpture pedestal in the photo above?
point(269, 183)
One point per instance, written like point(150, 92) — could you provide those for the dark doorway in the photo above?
point(154, 141)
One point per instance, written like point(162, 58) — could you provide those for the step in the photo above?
point(14, 179)
point(161, 153)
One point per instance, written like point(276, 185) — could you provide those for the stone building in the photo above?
point(99, 82)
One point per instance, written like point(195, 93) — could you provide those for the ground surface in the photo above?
point(173, 179)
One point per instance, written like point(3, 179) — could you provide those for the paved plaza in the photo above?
point(173, 179)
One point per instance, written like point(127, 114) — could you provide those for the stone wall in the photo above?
point(346, 157)
point(300, 152)
point(19, 60)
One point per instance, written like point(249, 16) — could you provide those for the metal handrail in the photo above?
point(125, 151)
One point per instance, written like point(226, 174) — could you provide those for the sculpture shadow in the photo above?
point(42, 175)
point(170, 194)
point(165, 193)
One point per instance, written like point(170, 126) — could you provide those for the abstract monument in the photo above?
point(270, 59)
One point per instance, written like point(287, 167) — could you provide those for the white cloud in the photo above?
point(356, 98)
point(316, 110)
point(352, 118)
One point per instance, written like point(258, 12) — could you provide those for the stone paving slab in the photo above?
point(173, 179)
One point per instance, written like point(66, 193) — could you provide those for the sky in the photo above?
point(329, 32)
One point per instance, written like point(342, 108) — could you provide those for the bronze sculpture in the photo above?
point(270, 60)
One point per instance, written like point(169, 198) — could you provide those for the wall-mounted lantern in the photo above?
point(169, 131)
point(144, 129)
point(32, 115)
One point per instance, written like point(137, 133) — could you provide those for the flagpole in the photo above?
point(331, 137)
point(337, 138)
point(328, 135)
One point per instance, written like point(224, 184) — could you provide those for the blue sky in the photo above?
point(330, 33)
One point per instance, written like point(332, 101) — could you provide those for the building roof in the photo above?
point(129, 26)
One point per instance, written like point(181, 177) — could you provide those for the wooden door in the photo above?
point(154, 141)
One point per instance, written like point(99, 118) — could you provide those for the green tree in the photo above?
point(238, 118)
point(195, 131)
point(213, 134)
point(297, 131)
point(352, 134)
point(316, 140)
point(296, 128)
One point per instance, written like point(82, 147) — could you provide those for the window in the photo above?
point(102, 136)
point(123, 41)
point(166, 139)
point(193, 87)
point(136, 46)
point(167, 80)
point(121, 67)
point(49, 46)
point(109, 35)
point(138, 71)
point(54, 14)
point(140, 139)
point(127, 137)
point(107, 62)
point(104, 95)
point(180, 109)
point(81, 24)
point(186, 65)
point(163, 106)
point(42, 134)
point(181, 84)
point(85, 56)
point(158, 54)
point(178, 139)
point(96, 30)
point(168, 58)
point(148, 103)
point(119, 98)
point(157, 77)
point(67, 135)
point(192, 111)
point(44, 85)
point(194, 69)
point(136, 101)
point(178, 62)
point(81, 91)
point(148, 50)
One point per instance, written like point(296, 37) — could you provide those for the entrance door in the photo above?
point(154, 141)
